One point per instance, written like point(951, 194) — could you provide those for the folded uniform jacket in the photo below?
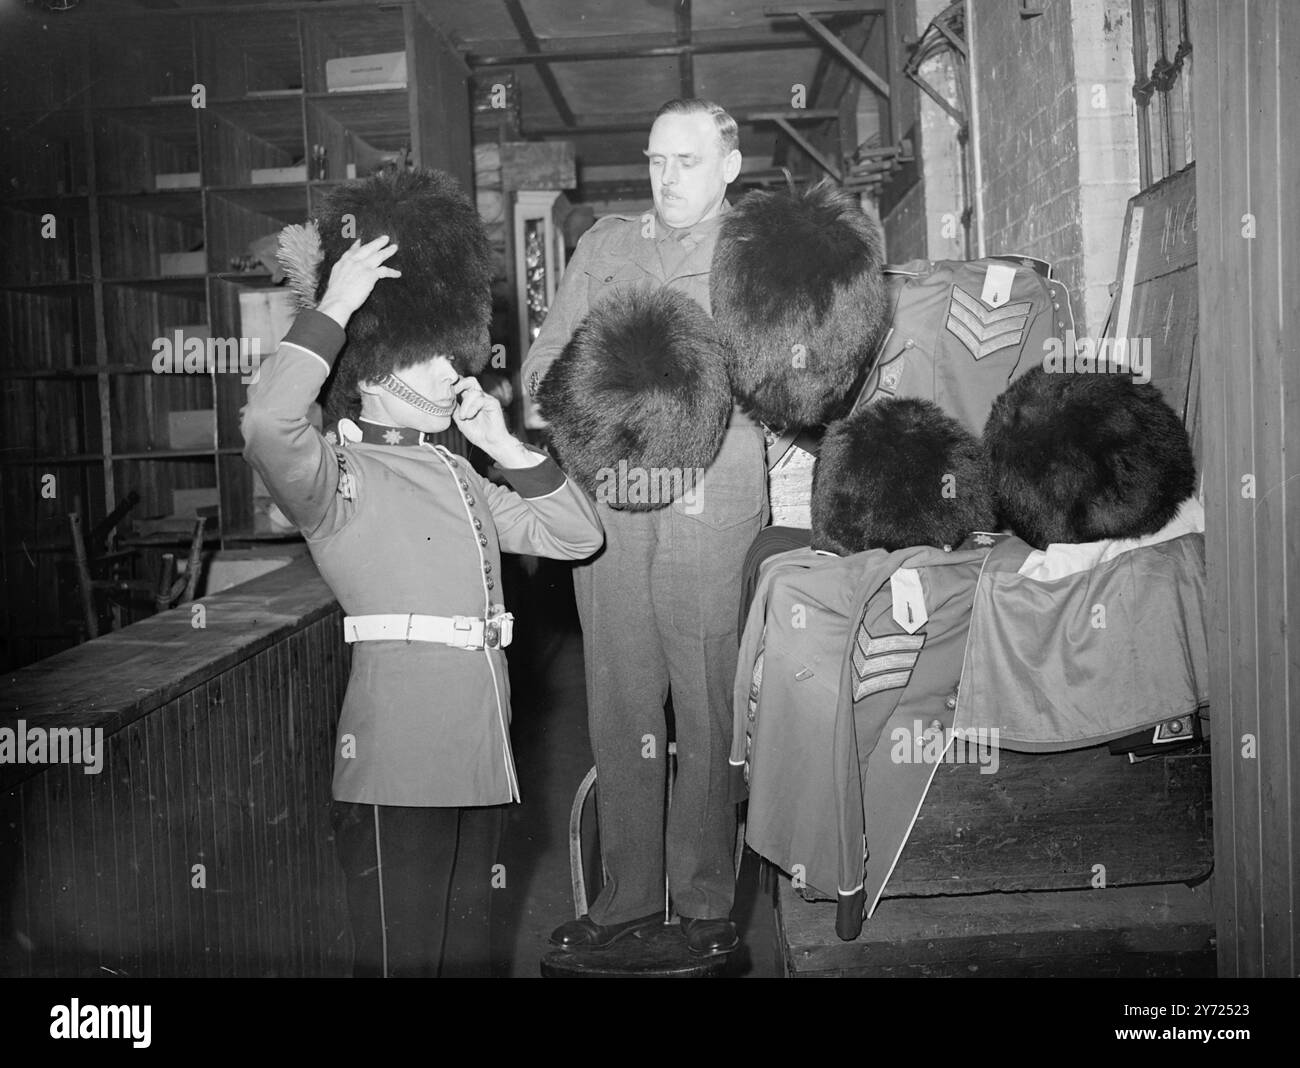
point(826, 681)
point(1080, 644)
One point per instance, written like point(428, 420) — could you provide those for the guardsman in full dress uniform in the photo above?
point(658, 606)
point(409, 538)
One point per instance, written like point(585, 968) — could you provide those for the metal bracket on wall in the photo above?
point(945, 33)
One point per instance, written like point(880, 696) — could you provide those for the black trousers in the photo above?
point(420, 887)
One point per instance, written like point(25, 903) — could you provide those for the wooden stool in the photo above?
point(657, 952)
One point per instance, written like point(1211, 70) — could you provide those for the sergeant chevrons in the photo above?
point(839, 676)
point(397, 525)
point(962, 331)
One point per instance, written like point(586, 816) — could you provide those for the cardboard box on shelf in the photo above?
point(194, 429)
point(179, 180)
point(277, 175)
point(382, 70)
point(172, 264)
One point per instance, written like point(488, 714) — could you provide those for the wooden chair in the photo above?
point(165, 590)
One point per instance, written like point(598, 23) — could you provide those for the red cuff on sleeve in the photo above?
point(536, 481)
point(317, 333)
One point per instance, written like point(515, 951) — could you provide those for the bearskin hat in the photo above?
point(896, 474)
point(1082, 457)
point(442, 304)
point(639, 399)
point(799, 296)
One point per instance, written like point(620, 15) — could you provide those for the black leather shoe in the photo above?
point(585, 933)
point(706, 938)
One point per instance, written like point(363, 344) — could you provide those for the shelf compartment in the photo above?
point(43, 154)
point(365, 130)
point(47, 330)
point(239, 217)
point(145, 60)
point(256, 54)
point(136, 317)
point(243, 136)
point(139, 231)
point(135, 145)
point(45, 241)
point(47, 419)
point(38, 76)
point(157, 484)
point(331, 35)
point(141, 408)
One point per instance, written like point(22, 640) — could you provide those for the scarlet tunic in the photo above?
point(408, 528)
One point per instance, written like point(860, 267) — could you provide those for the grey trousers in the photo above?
point(658, 611)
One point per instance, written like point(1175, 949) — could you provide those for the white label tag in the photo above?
point(998, 279)
point(909, 599)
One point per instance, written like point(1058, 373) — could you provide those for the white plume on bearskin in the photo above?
point(896, 474)
point(1083, 457)
point(799, 296)
point(642, 386)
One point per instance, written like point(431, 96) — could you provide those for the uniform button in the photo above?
point(936, 725)
point(464, 485)
point(490, 584)
point(482, 539)
point(487, 567)
point(478, 523)
point(951, 702)
point(908, 343)
point(469, 501)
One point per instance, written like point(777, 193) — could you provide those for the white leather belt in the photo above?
point(463, 632)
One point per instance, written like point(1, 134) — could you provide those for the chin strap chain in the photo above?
point(399, 389)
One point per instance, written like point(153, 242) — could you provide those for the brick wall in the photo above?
point(1058, 138)
point(1028, 134)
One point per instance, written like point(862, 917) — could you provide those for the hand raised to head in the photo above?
point(354, 276)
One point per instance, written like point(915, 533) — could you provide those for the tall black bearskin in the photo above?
point(798, 293)
point(639, 399)
point(442, 304)
point(896, 474)
point(1082, 457)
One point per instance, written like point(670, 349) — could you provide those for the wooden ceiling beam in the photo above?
point(642, 125)
point(659, 51)
point(525, 30)
point(812, 22)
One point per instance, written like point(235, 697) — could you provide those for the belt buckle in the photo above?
point(462, 628)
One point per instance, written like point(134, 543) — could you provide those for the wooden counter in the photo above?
point(203, 845)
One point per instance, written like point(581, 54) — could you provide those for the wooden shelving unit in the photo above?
point(125, 144)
